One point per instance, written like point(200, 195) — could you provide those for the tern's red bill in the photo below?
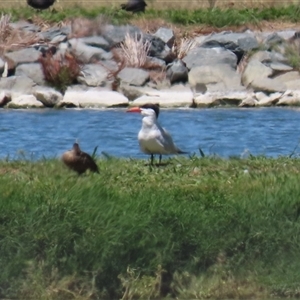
point(134, 109)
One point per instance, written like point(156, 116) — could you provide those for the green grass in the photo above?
point(215, 17)
point(215, 223)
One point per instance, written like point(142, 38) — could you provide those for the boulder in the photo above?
point(255, 70)
point(96, 41)
point(219, 77)
point(5, 97)
point(238, 43)
point(268, 57)
point(48, 96)
point(92, 98)
point(33, 71)
point(166, 35)
point(93, 75)
point(27, 55)
point(290, 98)
point(24, 101)
point(268, 100)
point(21, 84)
point(53, 32)
point(133, 76)
point(199, 56)
point(88, 54)
point(268, 85)
point(177, 71)
point(290, 79)
point(177, 96)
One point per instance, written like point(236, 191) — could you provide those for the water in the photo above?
point(225, 132)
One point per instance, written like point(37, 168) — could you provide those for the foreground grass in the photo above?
point(196, 228)
point(216, 17)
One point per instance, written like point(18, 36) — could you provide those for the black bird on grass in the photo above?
point(40, 4)
point(79, 161)
point(134, 6)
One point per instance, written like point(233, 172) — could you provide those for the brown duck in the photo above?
point(79, 161)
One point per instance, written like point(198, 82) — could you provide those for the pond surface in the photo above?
point(225, 132)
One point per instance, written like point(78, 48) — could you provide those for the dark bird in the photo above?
point(79, 161)
point(134, 6)
point(40, 4)
point(153, 138)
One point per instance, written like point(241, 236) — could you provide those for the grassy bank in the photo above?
point(196, 228)
point(217, 17)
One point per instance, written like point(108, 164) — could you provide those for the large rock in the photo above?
point(166, 35)
point(93, 75)
point(290, 98)
point(222, 98)
point(220, 77)
point(255, 70)
point(24, 101)
point(290, 79)
point(268, 85)
point(267, 100)
point(33, 70)
point(177, 96)
point(268, 57)
point(96, 41)
point(88, 54)
point(27, 55)
point(92, 98)
point(210, 56)
point(5, 97)
point(21, 84)
point(48, 96)
point(116, 34)
point(238, 43)
point(177, 71)
point(133, 76)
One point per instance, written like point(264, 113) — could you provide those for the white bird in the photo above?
point(154, 139)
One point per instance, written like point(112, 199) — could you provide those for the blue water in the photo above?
point(225, 132)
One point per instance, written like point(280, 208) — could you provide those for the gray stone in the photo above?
point(24, 101)
point(255, 70)
point(21, 84)
point(27, 55)
point(276, 66)
point(88, 54)
point(53, 32)
point(33, 70)
point(155, 62)
point(209, 56)
point(248, 102)
point(25, 26)
point(92, 98)
point(273, 39)
point(5, 97)
point(268, 85)
point(289, 77)
point(47, 95)
point(177, 71)
point(116, 34)
point(59, 39)
point(96, 41)
point(132, 92)
point(217, 78)
point(133, 76)
point(268, 57)
point(93, 75)
point(270, 100)
point(166, 35)
point(290, 98)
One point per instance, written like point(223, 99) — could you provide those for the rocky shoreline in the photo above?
point(94, 64)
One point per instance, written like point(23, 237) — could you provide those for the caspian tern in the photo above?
point(153, 138)
point(79, 161)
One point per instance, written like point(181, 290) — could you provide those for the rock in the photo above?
point(177, 96)
point(132, 76)
point(59, 39)
point(293, 100)
point(270, 100)
point(2, 64)
point(268, 57)
point(238, 43)
point(177, 71)
point(116, 34)
point(268, 85)
point(273, 39)
point(33, 71)
point(21, 84)
point(48, 96)
point(276, 66)
point(255, 70)
point(96, 41)
point(209, 56)
point(290, 79)
point(220, 77)
point(27, 55)
point(93, 75)
point(24, 101)
point(25, 26)
point(92, 98)
point(248, 102)
point(221, 98)
point(87, 54)
point(53, 32)
point(166, 35)
point(5, 97)
point(155, 62)
point(133, 92)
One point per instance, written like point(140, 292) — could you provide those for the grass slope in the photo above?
point(218, 228)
